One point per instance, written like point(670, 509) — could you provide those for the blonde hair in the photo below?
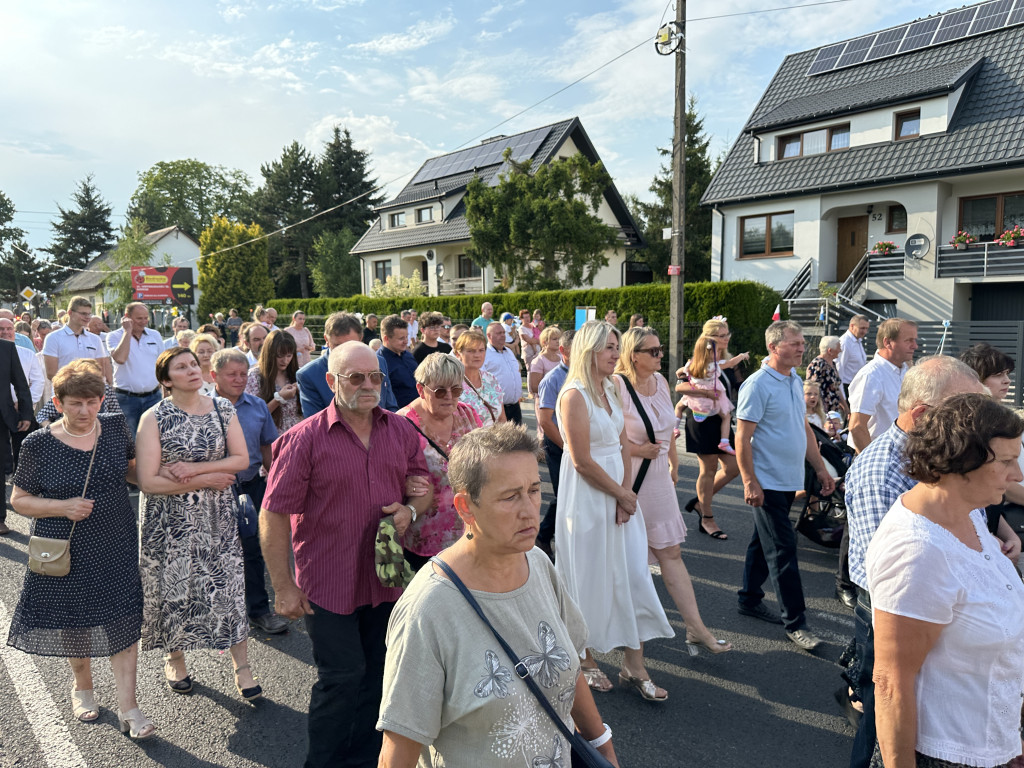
point(631, 341)
point(470, 337)
point(815, 387)
point(209, 338)
point(548, 332)
point(705, 348)
point(590, 339)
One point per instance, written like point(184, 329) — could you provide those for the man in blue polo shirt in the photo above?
point(772, 441)
point(230, 371)
point(547, 420)
point(397, 362)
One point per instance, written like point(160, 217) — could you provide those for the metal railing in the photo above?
point(801, 282)
point(887, 266)
point(979, 260)
point(461, 286)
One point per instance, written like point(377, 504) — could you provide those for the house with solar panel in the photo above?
point(423, 230)
point(888, 166)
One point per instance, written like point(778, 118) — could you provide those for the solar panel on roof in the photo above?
point(855, 51)
point(481, 156)
point(887, 43)
point(920, 34)
point(826, 58)
point(955, 25)
point(1017, 15)
point(991, 16)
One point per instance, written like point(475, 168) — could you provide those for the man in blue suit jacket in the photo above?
point(314, 394)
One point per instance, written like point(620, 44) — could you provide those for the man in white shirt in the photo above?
point(178, 324)
point(134, 348)
point(73, 341)
point(502, 363)
point(875, 390)
point(852, 356)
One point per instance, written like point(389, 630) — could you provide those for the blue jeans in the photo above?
point(134, 407)
point(553, 456)
point(859, 677)
point(772, 553)
point(348, 650)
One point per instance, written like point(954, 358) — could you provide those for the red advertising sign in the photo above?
point(675, 269)
point(163, 285)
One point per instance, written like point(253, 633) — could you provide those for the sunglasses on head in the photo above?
point(356, 379)
point(443, 392)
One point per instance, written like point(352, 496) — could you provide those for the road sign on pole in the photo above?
point(27, 293)
point(163, 285)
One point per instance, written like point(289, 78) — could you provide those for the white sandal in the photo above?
point(83, 705)
point(136, 724)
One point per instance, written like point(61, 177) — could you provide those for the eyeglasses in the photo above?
point(446, 327)
point(356, 379)
point(654, 351)
point(443, 392)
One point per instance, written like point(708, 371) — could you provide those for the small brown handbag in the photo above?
point(52, 557)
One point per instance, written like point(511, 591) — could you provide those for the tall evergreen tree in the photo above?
point(286, 198)
point(342, 175)
point(81, 232)
point(657, 215)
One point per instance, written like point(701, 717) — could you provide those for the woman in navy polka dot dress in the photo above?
point(96, 610)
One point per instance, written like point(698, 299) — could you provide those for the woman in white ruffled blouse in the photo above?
point(948, 604)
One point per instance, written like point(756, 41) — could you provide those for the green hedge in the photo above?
point(747, 305)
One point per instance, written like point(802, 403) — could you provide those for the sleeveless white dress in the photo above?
point(604, 565)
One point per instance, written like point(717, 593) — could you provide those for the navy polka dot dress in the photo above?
point(96, 610)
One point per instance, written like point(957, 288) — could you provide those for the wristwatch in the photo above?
point(413, 510)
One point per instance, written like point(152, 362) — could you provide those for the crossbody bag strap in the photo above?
point(521, 669)
point(435, 446)
point(85, 487)
point(646, 463)
point(487, 405)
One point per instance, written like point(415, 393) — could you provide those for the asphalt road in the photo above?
point(766, 703)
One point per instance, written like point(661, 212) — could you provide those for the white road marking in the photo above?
point(52, 734)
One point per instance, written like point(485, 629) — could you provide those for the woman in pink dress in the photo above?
point(638, 366)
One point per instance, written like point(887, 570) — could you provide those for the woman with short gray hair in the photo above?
point(441, 420)
point(822, 370)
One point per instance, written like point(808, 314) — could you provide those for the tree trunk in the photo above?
point(303, 274)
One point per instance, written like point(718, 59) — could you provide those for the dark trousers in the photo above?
point(257, 601)
point(843, 582)
point(772, 553)
point(10, 449)
point(348, 651)
point(514, 412)
point(553, 457)
point(858, 675)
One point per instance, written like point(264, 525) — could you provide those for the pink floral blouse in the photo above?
point(438, 528)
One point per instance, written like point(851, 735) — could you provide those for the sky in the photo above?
point(111, 88)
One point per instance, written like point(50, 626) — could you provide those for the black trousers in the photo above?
point(257, 601)
point(514, 413)
point(10, 449)
point(553, 456)
point(348, 650)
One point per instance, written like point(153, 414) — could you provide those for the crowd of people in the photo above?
point(236, 436)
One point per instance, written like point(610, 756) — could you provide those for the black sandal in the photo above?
point(719, 534)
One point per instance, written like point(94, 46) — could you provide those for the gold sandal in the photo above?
point(83, 705)
point(647, 689)
point(596, 679)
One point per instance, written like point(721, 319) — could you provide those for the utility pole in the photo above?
point(676, 353)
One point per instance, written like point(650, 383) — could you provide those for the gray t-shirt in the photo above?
point(449, 686)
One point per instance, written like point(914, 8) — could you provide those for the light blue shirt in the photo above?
point(776, 404)
point(549, 387)
point(24, 342)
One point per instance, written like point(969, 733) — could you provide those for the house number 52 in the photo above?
point(876, 217)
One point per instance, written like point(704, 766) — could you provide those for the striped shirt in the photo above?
point(334, 488)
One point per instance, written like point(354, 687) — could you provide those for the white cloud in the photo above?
point(427, 87)
point(281, 63)
point(419, 35)
point(489, 15)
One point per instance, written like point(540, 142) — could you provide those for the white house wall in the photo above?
point(779, 271)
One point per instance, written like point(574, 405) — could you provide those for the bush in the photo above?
point(747, 305)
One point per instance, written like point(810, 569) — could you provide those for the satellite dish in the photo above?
point(440, 270)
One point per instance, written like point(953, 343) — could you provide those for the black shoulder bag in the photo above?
point(646, 463)
point(583, 752)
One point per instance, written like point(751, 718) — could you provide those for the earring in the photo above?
point(469, 535)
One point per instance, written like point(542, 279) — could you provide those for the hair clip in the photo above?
point(722, 318)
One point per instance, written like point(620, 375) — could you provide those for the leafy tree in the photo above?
point(335, 271)
point(236, 277)
point(398, 287)
point(189, 193)
point(657, 216)
point(133, 250)
point(540, 229)
point(342, 174)
point(285, 199)
point(80, 233)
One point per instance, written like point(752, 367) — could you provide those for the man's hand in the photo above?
point(126, 324)
point(23, 426)
point(291, 602)
point(752, 494)
point(403, 516)
point(828, 483)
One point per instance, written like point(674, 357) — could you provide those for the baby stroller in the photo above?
point(823, 518)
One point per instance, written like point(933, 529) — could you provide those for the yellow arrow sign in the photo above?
point(182, 286)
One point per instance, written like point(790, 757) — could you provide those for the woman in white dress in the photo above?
point(601, 539)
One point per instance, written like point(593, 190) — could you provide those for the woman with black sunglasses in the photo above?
point(441, 420)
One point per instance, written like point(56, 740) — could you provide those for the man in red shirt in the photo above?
point(333, 477)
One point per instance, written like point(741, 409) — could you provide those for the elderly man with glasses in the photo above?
point(333, 477)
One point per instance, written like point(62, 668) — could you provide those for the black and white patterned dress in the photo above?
point(95, 610)
point(191, 557)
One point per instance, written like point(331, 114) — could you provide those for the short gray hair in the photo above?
point(828, 342)
point(467, 468)
point(777, 331)
point(222, 357)
point(860, 319)
point(439, 369)
point(932, 380)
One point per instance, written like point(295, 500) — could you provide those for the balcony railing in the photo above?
point(886, 266)
point(461, 286)
point(979, 260)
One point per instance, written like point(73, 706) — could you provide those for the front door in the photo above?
point(853, 242)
